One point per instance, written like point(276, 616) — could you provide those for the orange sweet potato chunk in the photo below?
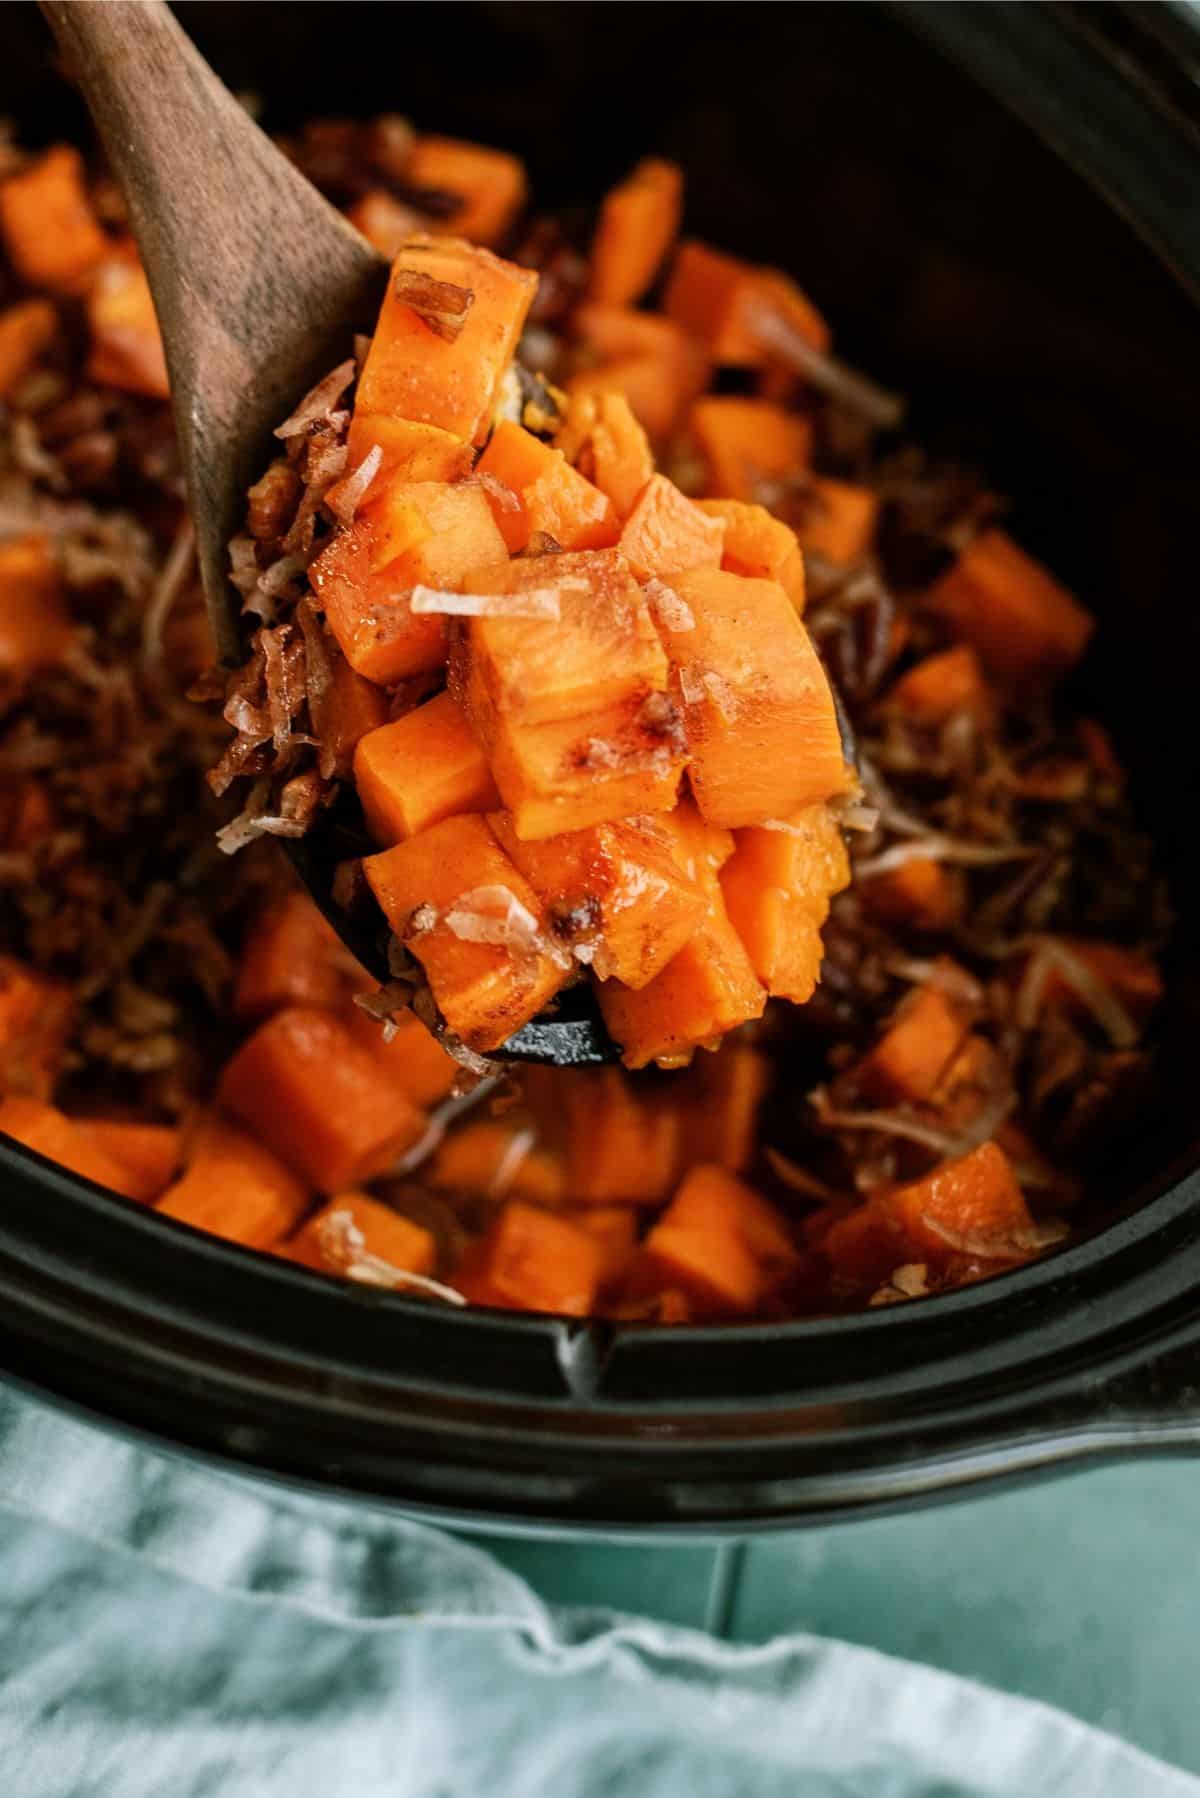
point(921, 894)
point(759, 545)
point(345, 712)
point(410, 452)
point(411, 1056)
point(637, 226)
point(603, 439)
point(552, 497)
point(490, 184)
point(665, 534)
point(969, 1209)
point(49, 229)
point(601, 650)
point(717, 300)
point(147, 1154)
point(234, 1186)
point(613, 1228)
point(127, 349)
point(35, 630)
point(645, 358)
point(777, 888)
point(385, 222)
point(723, 1098)
point(292, 956)
point(450, 380)
point(426, 766)
point(484, 989)
point(761, 724)
point(614, 891)
point(705, 991)
point(354, 1233)
point(1009, 608)
point(498, 1160)
point(838, 519)
point(910, 1059)
point(439, 532)
point(747, 444)
point(25, 331)
point(533, 1260)
point(318, 1099)
point(623, 1142)
point(721, 1243)
point(49, 1132)
point(36, 1018)
point(942, 687)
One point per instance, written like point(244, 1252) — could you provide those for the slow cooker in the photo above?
point(1000, 205)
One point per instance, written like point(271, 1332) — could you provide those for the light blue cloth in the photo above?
point(170, 1632)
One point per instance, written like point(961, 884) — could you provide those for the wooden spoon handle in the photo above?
point(257, 280)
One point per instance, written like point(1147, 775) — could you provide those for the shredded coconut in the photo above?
point(533, 602)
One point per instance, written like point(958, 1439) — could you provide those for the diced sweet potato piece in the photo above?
point(292, 956)
point(411, 452)
point(623, 1141)
point(533, 1260)
point(425, 767)
point(490, 184)
point(637, 226)
point(346, 711)
point(839, 519)
point(777, 889)
point(147, 1154)
point(717, 300)
point(602, 438)
point(35, 631)
point(759, 545)
point(552, 497)
point(700, 848)
point(971, 1207)
point(943, 686)
point(499, 1160)
point(665, 534)
point(25, 331)
point(614, 890)
point(49, 1132)
point(911, 1057)
point(613, 1228)
point(601, 650)
point(761, 724)
point(411, 1056)
point(490, 968)
point(747, 445)
point(236, 1187)
point(386, 222)
point(36, 1018)
point(921, 893)
point(721, 1243)
point(365, 590)
point(644, 357)
point(318, 1099)
point(49, 228)
point(127, 349)
point(356, 1235)
point(26, 814)
point(723, 1097)
point(612, 333)
point(446, 372)
point(708, 989)
point(1006, 605)
point(594, 769)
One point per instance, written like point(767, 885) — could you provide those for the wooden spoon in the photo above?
point(260, 285)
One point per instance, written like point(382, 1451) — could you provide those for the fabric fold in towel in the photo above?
point(168, 1631)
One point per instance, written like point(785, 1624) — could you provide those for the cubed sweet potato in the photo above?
point(147, 1154)
point(234, 1186)
point(126, 346)
point(759, 545)
point(534, 1260)
point(25, 331)
point(386, 222)
point(50, 231)
point(721, 1243)
point(552, 497)
point(921, 894)
point(1023, 623)
point(355, 1235)
point(348, 708)
point(665, 534)
point(438, 356)
point(615, 891)
point(942, 687)
point(637, 226)
point(723, 1096)
point(624, 1141)
point(410, 451)
point(777, 888)
point(838, 519)
point(643, 357)
point(36, 1019)
point(410, 1056)
point(498, 1160)
point(490, 185)
point(747, 445)
point(292, 956)
point(49, 1132)
point(35, 630)
point(318, 1099)
point(426, 766)
point(761, 724)
point(475, 924)
point(603, 439)
point(718, 301)
point(911, 1056)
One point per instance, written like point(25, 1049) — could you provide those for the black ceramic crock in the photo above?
point(1000, 207)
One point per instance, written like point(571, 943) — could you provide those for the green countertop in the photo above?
point(1083, 1591)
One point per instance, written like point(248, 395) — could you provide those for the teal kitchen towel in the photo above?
point(167, 1631)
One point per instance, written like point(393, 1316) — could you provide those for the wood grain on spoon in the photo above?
point(259, 283)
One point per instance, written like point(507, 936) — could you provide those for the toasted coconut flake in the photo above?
point(520, 1147)
point(493, 914)
point(800, 1180)
point(532, 602)
point(1053, 957)
point(724, 699)
point(851, 389)
point(673, 613)
point(353, 490)
point(320, 402)
point(345, 1248)
point(243, 563)
point(385, 1004)
point(691, 685)
point(424, 918)
point(864, 818)
point(499, 490)
point(441, 306)
point(943, 849)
